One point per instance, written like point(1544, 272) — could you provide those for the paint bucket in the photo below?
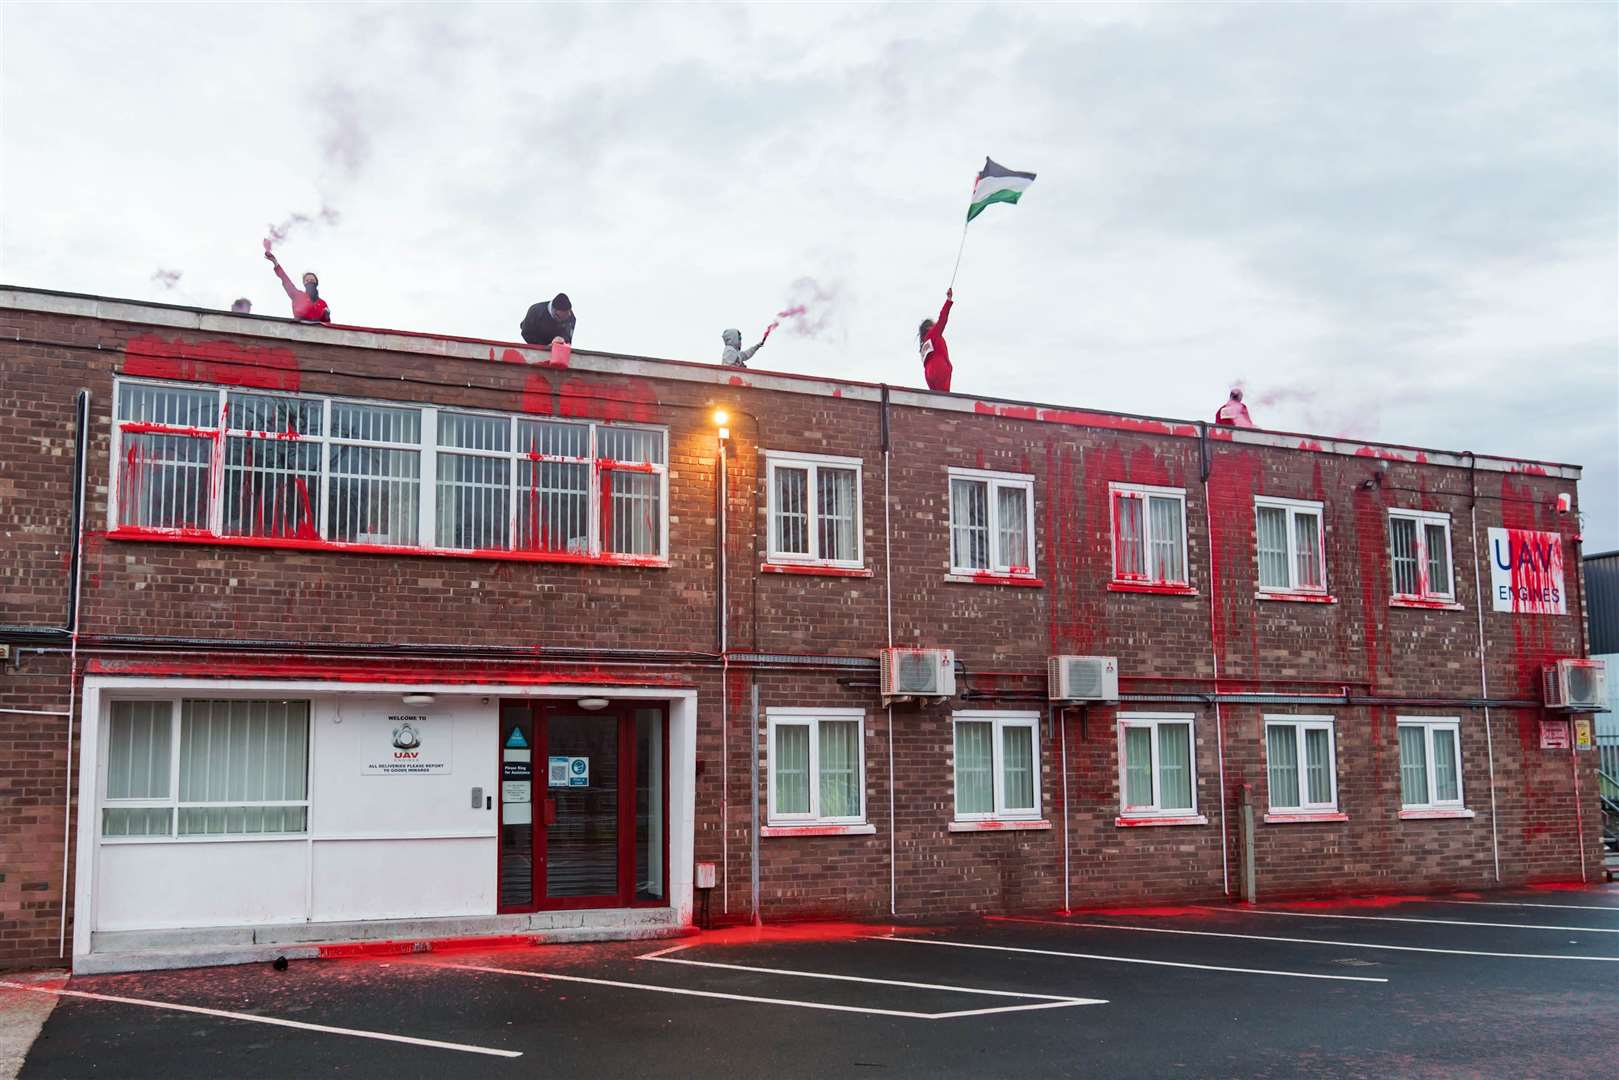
point(561, 352)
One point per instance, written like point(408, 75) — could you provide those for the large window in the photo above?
point(1149, 534)
point(997, 766)
point(1419, 550)
point(1430, 763)
point(203, 768)
point(991, 523)
point(1157, 765)
point(229, 463)
point(813, 509)
point(1292, 553)
point(817, 766)
point(1300, 763)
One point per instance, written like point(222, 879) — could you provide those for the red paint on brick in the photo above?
point(632, 400)
point(228, 363)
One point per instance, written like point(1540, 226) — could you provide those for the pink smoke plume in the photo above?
point(326, 215)
point(167, 278)
point(811, 309)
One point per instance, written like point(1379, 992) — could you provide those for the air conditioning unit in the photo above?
point(1577, 685)
point(1082, 678)
point(918, 673)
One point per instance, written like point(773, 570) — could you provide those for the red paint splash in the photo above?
point(263, 367)
point(632, 400)
point(413, 672)
point(1535, 561)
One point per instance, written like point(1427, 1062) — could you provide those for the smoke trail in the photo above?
point(168, 279)
point(277, 233)
point(812, 308)
point(345, 144)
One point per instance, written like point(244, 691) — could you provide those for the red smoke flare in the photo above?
point(326, 214)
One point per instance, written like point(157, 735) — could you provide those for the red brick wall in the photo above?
point(33, 783)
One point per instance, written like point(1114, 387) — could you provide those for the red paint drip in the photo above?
point(226, 362)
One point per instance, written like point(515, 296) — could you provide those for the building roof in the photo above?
point(1602, 601)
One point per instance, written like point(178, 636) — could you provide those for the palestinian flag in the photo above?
point(997, 184)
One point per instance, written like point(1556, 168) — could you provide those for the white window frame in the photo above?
point(1425, 588)
point(1293, 508)
point(1301, 724)
point(1153, 721)
point(428, 449)
point(994, 482)
point(1428, 724)
point(1001, 721)
point(1116, 491)
point(799, 717)
point(812, 464)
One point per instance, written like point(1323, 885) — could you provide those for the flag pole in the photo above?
point(959, 250)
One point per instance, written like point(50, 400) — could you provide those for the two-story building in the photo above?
point(317, 633)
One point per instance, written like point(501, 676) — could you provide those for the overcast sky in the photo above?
point(1389, 222)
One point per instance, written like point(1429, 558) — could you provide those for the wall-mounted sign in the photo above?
point(1583, 738)
point(1526, 572)
point(568, 772)
point(515, 791)
point(406, 746)
point(1554, 734)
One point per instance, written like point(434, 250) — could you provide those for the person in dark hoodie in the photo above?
point(935, 353)
point(548, 322)
point(735, 355)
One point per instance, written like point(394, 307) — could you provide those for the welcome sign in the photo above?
point(406, 745)
point(1526, 572)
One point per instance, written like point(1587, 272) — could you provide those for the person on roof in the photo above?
point(549, 322)
point(1234, 413)
point(935, 353)
point(307, 306)
point(735, 355)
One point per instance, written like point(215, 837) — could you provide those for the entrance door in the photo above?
point(584, 806)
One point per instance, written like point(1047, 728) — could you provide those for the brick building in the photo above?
point(361, 625)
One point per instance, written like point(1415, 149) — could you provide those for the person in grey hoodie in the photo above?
point(735, 355)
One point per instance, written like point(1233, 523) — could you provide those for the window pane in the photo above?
point(1318, 765)
point(1445, 781)
point(629, 444)
point(168, 405)
point(273, 415)
point(634, 514)
point(1017, 744)
point(1438, 559)
point(470, 431)
point(969, 524)
point(136, 821)
point(1137, 766)
point(247, 751)
point(163, 481)
point(835, 504)
point(1413, 766)
point(1175, 767)
point(1012, 519)
point(1307, 551)
point(975, 792)
point(791, 764)
point(474, 501)
point(544, 437)
point(1272, 530)
point(1166, 539)
point(376, 423)
point(553, 506)
point(272, 488)
point(1282, 757)
point(792, 510)
point(138, 750)
point(840, 768)
point(1129, 545)
point(373, 496)
point(1403, 546)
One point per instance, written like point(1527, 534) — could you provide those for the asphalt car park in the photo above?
point(1522, 983)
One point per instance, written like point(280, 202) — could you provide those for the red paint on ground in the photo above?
point(805, 931)
point(263, 367)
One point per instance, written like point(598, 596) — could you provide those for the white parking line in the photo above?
point(1412, 919)
point(1042, 1003)
point(1555, 907)
point(274, 1021)
point(1307, 941)
point(1132, 959)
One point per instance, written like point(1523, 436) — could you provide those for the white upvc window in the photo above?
point(288, 468)
point(1291, 545)
point(1419, 553)
point(991, 522)
point(1149, 534)
point(813, 509)
point(1430, 763)
point(1157, 765)
point(1301, 764)
point(997, 765)
point(816, 766)
point(201, 768)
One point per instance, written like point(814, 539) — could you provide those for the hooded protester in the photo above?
point(1234, 413)
point(735, 355)
point(307, 306)
point(935, 353)
point(548, 322)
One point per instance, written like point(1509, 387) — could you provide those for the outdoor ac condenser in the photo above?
point(918, 673)
point(1082, 678)
point(1577, 685)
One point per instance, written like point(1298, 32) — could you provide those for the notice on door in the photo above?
point(568, 772)
point(404, 745)
point(516, 791)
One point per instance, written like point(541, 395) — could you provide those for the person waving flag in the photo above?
point(997, 183)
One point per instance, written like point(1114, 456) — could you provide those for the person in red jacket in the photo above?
point(307, 306)
point(1234, 413)
point(935, 353)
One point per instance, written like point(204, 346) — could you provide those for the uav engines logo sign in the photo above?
point(415, 746)
point(407, 742)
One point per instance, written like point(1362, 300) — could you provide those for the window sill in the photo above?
point(1285, 818)
point(1150, 587)
point(1427, 604)
point(289, 543)
point(999, 825)
point(1297, 597)
point(1147, 822)
point(818, 830)
point(1434, 815)
point(218, 838)
point(984, 577)
point(814, 570)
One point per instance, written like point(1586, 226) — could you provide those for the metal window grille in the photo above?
point(969, 524)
